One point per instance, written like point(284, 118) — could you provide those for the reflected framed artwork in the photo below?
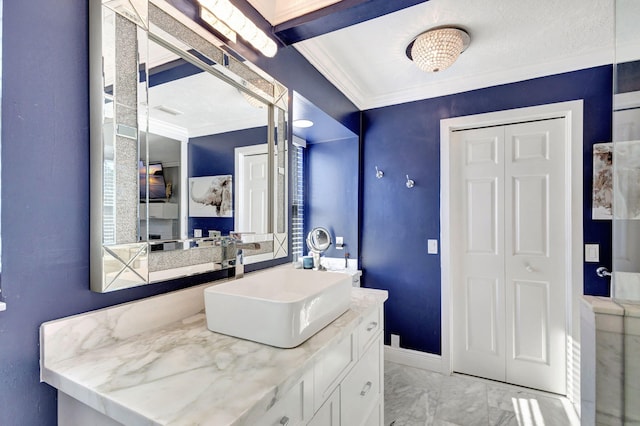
point(210, 196)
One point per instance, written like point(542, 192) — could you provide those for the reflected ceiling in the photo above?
point(324, 129)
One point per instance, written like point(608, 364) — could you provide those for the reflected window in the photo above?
point(297, 204)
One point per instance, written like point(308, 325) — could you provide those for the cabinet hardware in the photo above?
point(366, 389)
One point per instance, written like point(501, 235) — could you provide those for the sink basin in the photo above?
point(279, 307)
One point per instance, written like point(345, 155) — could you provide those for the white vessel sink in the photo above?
point(280, 307)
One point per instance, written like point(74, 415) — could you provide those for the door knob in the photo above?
point(528, 267)
point(602, 272)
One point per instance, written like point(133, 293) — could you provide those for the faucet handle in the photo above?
point(237, 235)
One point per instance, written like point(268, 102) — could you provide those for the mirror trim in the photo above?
point(131, 262)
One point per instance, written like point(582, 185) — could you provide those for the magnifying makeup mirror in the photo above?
point(318, 241)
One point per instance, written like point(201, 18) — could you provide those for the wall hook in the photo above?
point(379, 173)
point(410, 182)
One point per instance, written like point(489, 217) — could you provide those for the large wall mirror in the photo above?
point(188, 149)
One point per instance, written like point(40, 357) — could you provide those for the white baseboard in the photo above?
point(413, 358)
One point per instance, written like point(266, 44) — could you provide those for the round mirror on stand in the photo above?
point(318, 241)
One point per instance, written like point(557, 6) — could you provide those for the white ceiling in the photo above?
point(202, 104)
point(199, 104)
point(511, 40)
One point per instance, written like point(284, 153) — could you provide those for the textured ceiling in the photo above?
point(511, 40)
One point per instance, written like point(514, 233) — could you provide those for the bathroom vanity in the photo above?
point(154, 362)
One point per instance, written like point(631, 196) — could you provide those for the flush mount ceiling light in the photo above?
point(438, 48)
point(302, 123)
point(227, 19)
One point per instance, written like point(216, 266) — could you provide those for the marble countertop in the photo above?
point(602, 305)
point(609, 306)
point(178, 372)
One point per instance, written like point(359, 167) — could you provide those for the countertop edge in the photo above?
point(121, 412)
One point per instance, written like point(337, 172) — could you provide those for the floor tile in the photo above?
point(463, 401)
point(415, 397)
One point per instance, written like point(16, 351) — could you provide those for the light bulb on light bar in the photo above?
point(216, 11)
point(217, 24)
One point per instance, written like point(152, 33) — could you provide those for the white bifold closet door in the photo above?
point(509, 251)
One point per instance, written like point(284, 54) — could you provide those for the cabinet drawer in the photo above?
point(329, 413)
point(332, 368)
point(360, 390)
point(375, 418)
point(288, 411)
point(368, 329)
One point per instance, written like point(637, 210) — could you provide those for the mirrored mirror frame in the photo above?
point(127, 261)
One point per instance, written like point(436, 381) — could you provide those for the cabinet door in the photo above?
point(332, 368)
point(288, 411)
point(375, 418)
point(329, 413)
point(368, 329)
point(360, 390)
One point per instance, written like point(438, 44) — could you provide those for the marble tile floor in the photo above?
point(415, 397)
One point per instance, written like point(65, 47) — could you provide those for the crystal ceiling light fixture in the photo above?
point(438, 48)
point(227, 19)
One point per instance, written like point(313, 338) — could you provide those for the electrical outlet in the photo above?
point(395, 341)
point(432, 246)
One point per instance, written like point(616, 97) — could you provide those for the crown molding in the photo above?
point(348, 85)
point(338, 76)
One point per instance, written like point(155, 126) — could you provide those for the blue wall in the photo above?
point(396, 221)
point(45, 189)
point(331, 177)
point(45, 196)
point(215, 155)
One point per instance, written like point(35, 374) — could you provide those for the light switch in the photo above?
point(197, 233)
point(592, 252)
point(339, 240)
point(395, 340)
point(432, 246)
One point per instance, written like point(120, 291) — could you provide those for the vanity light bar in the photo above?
point(215, 12)
point(217, 24)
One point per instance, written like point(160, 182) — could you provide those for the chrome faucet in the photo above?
point(236, 241)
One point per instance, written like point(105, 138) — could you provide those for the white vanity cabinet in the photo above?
point(360, 392)
point(348, 381)
point(294, 407)
point(169, 369)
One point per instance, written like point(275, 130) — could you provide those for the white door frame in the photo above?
point(572, 111)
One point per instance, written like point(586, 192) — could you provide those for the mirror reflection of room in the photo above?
point(160, 188)
point(208, 143)
point(328, 197)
